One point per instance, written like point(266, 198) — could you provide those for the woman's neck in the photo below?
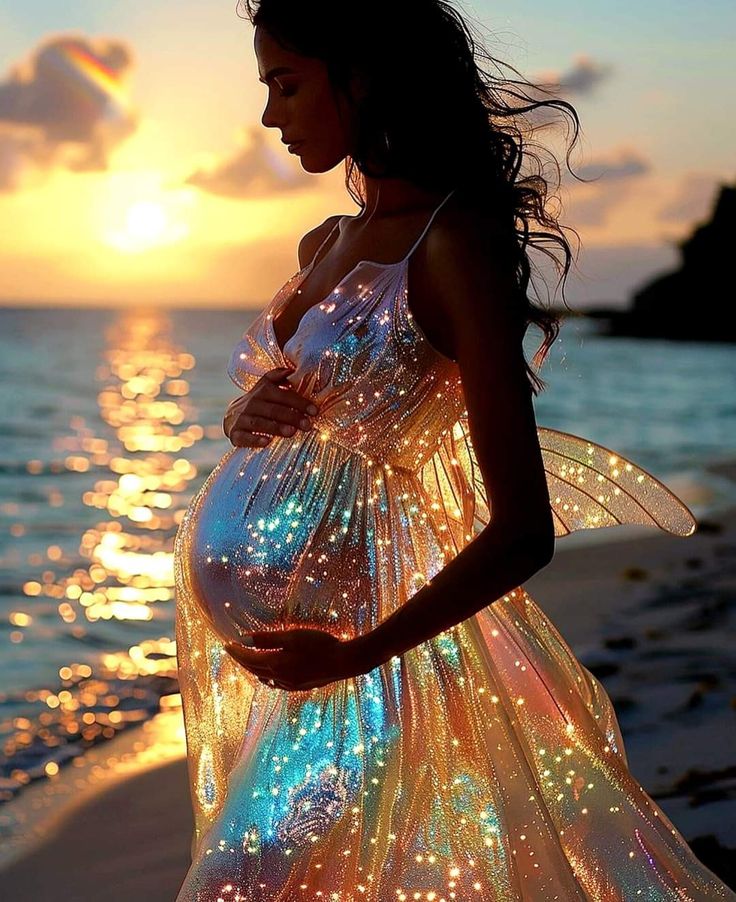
point(386, 198)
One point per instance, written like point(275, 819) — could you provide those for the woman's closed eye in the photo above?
point(286, 92)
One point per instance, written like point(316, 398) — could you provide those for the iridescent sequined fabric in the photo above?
point(485, 764)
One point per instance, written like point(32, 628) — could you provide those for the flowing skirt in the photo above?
point(484, 764)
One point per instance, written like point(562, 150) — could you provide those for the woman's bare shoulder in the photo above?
point(311, 241)
point(465, 216)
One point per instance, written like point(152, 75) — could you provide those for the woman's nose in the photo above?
point(269, 119)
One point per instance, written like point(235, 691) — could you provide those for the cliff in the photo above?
point(696, 301)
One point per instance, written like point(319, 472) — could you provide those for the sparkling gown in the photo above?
point(485, 764)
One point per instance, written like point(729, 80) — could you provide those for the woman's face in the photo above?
point(302, 106)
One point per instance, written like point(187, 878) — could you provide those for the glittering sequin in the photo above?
point(484, 764)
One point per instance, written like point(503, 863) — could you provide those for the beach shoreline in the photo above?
point(42, 809)
point(627, 607)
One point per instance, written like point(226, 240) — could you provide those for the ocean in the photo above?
point(111, 420)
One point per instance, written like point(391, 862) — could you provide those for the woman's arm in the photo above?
point(466, 281)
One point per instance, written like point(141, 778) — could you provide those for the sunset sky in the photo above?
point(134, 168)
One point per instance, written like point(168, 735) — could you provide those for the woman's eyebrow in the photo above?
point(272, 73)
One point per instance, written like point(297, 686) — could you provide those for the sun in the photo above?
point(146, 221)
point(142, 225)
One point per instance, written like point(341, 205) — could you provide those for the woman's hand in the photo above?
point(268, 409)
point(303, 658)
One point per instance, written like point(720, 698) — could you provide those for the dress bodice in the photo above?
point(382, 389)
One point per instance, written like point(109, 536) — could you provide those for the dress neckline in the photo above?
point(305, 270)
point(274, 313)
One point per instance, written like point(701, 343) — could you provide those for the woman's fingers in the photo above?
point(271, 408)
point(232, 413)
point(252, 423)
point(284, 399)
point(270, 417)
point(285, 394)
point(280, 414)
point(239, 438)
point(249, 429)
point(277, 373)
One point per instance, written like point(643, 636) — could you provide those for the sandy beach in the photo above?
point(652, 615)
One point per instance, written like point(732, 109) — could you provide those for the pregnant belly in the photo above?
point(280, 539)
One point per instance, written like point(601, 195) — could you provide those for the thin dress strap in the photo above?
point(326, 239)
point(338, 225)
point(426, 228)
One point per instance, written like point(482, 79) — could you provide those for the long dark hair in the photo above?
point(434, 116)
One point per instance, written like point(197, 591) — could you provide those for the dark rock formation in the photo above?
point(696, 301)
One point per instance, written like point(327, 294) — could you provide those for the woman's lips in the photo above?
point(294, 146)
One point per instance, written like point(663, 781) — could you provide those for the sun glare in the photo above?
point(146, 221)
point(145, 224)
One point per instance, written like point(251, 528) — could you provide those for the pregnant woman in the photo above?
point(375, 708)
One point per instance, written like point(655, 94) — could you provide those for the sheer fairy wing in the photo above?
point(590, 486)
